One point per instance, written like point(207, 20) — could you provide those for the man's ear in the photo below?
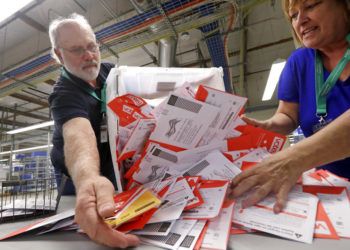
point(59, 55)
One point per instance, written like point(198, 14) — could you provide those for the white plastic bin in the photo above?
point(153, 84)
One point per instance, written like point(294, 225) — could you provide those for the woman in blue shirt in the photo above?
point(314, 92)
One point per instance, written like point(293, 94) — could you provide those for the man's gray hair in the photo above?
point(56, 24)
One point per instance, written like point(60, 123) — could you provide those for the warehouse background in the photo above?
point(244, 37)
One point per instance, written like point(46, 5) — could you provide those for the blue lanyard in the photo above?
point(322, 88)
point(89, 91)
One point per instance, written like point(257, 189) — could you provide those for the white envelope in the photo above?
point(229, 106)
point(296, 221)
point(191, 156)
point(337, 208)
point(213, 194)
point(256, 155)
point(156, 162)
point(218, 232)
point(215, 166)
point(174, 238)
point(40, 224)
point(183, 122)
point(235, 155)
point(174, 202)
point(191, 239)
point(138, 138)
point(158, 228)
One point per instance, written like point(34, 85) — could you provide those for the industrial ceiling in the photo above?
point(244, 37)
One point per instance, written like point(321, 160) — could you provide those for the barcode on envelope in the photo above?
point(171, 239)
point(187, 241)
point(339, 223)
point(197, 168)
point(227, 120)
point(157, 227)
point(185, 104)
point(164, 155)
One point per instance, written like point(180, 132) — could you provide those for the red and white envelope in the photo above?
point(323, 225)
point(137, 139)
point(213, 193)
point(296, 221)
point(234, 155)
point(174, 202)
point(251, 158)
point(233, 104)
point(41, 224)
point(218, 232)
point(194, 182)
point(254, 137)
point(192, 237)
point(230, 106)
point(323, 177)
point(129, 108)
point(131, 204)
point(336, 203)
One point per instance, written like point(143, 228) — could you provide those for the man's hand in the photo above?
point(95, 202)
point(275, 174)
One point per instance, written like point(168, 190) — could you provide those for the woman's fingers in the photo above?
point(257, 195)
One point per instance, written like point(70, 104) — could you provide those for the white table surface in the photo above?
point(72, 240)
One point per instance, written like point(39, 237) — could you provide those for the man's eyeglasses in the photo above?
point(79, 51)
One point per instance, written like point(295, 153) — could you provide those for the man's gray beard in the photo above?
point(86, 76)
point(90, 76)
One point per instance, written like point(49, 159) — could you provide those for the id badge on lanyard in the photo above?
point(322, 88)
point(322, 122)
point(103, 129)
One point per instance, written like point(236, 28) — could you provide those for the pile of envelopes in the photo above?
point(180, 158)
point(186, 150)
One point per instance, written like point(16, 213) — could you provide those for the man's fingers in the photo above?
point(94, 202)
point(113, 238)
point(104, 198)
point(103, 233)
point(133, 240)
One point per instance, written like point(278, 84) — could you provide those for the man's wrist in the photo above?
point(80, 178)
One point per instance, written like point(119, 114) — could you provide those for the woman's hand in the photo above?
point(255, 123)
point(276, 174)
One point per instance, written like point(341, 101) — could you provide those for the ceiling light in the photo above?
point(185, 36)
point(32, 127)
point(25, 150)
point(275, 72)
point(8, 8)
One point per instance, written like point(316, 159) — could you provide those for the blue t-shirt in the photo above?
point(68, 101)
point(297, 84)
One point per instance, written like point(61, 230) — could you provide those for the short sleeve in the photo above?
point(288, 82)
point(66, 105)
